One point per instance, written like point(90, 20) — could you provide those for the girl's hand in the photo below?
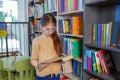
point(42, 65)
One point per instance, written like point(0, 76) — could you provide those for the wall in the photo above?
point(23, 17)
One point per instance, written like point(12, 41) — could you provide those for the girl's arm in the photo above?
point(35, 53)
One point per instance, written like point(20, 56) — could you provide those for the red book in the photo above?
point(75, 5)
point(106, 61)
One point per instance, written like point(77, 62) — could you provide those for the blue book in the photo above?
point(100, 33)
point(117, 13)
point(115, 34)
point(96, 34)
point(86, 53)
point(75, 67)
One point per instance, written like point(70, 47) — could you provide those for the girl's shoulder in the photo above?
point(38, 38)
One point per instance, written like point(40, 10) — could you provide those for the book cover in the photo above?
point(107, 61)
point(94, 64)
point(115, 34)
point(77, 25)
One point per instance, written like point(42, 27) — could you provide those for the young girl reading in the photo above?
point(45, 47)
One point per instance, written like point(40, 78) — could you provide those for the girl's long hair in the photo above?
point(49, 18)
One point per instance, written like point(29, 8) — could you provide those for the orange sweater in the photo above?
point(42, 50)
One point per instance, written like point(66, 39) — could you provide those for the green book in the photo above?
point(76, 48)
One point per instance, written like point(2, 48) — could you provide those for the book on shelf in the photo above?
point(72, 25)
point(30, 11)
point(77, 68)
point(106, 61)
point(67, 67)
point(69, 5)
point(106, 34)
point(38, 10)
point(50, 5)
point(101, 63)
point(72, 46)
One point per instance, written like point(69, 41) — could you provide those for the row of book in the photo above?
point(77, 68)
point(72, 46)
point(73, 25)
point(72, 67)
point(99, 61)
point(35, 26)
point(107, 34)
point(69, 5)
point(39, 10)
point(30, 11)
point(50, 5)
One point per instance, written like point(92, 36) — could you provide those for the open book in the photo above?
point(63, 59)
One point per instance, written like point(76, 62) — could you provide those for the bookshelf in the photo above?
point(66, 13)
point(34, 20)
point(70, 35)
point(72, 12)
point(101, 12)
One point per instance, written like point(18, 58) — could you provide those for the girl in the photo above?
point(46, 47)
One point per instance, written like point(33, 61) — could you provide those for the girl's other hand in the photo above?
point(42, 65)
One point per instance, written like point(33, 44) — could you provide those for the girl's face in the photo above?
point(49, 29)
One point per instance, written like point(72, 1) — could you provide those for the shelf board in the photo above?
point(113, 76)
point(103, 3)
point(35, 33)
point(71, 76)
point(38, 18)
point(78, 59)
point(79, 36)
point(39, 1)
point(73, 12)
point(52, 12)
point(103, 47)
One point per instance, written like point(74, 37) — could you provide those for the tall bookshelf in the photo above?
point(67, 10)
point(100, 12)
point(53, 7)
point(34, 16)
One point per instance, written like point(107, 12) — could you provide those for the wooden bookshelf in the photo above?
point(69, 13)
point(53, 12)
point(71, 76)
point(39, 1)
point(70, 35)
point(38, 18)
